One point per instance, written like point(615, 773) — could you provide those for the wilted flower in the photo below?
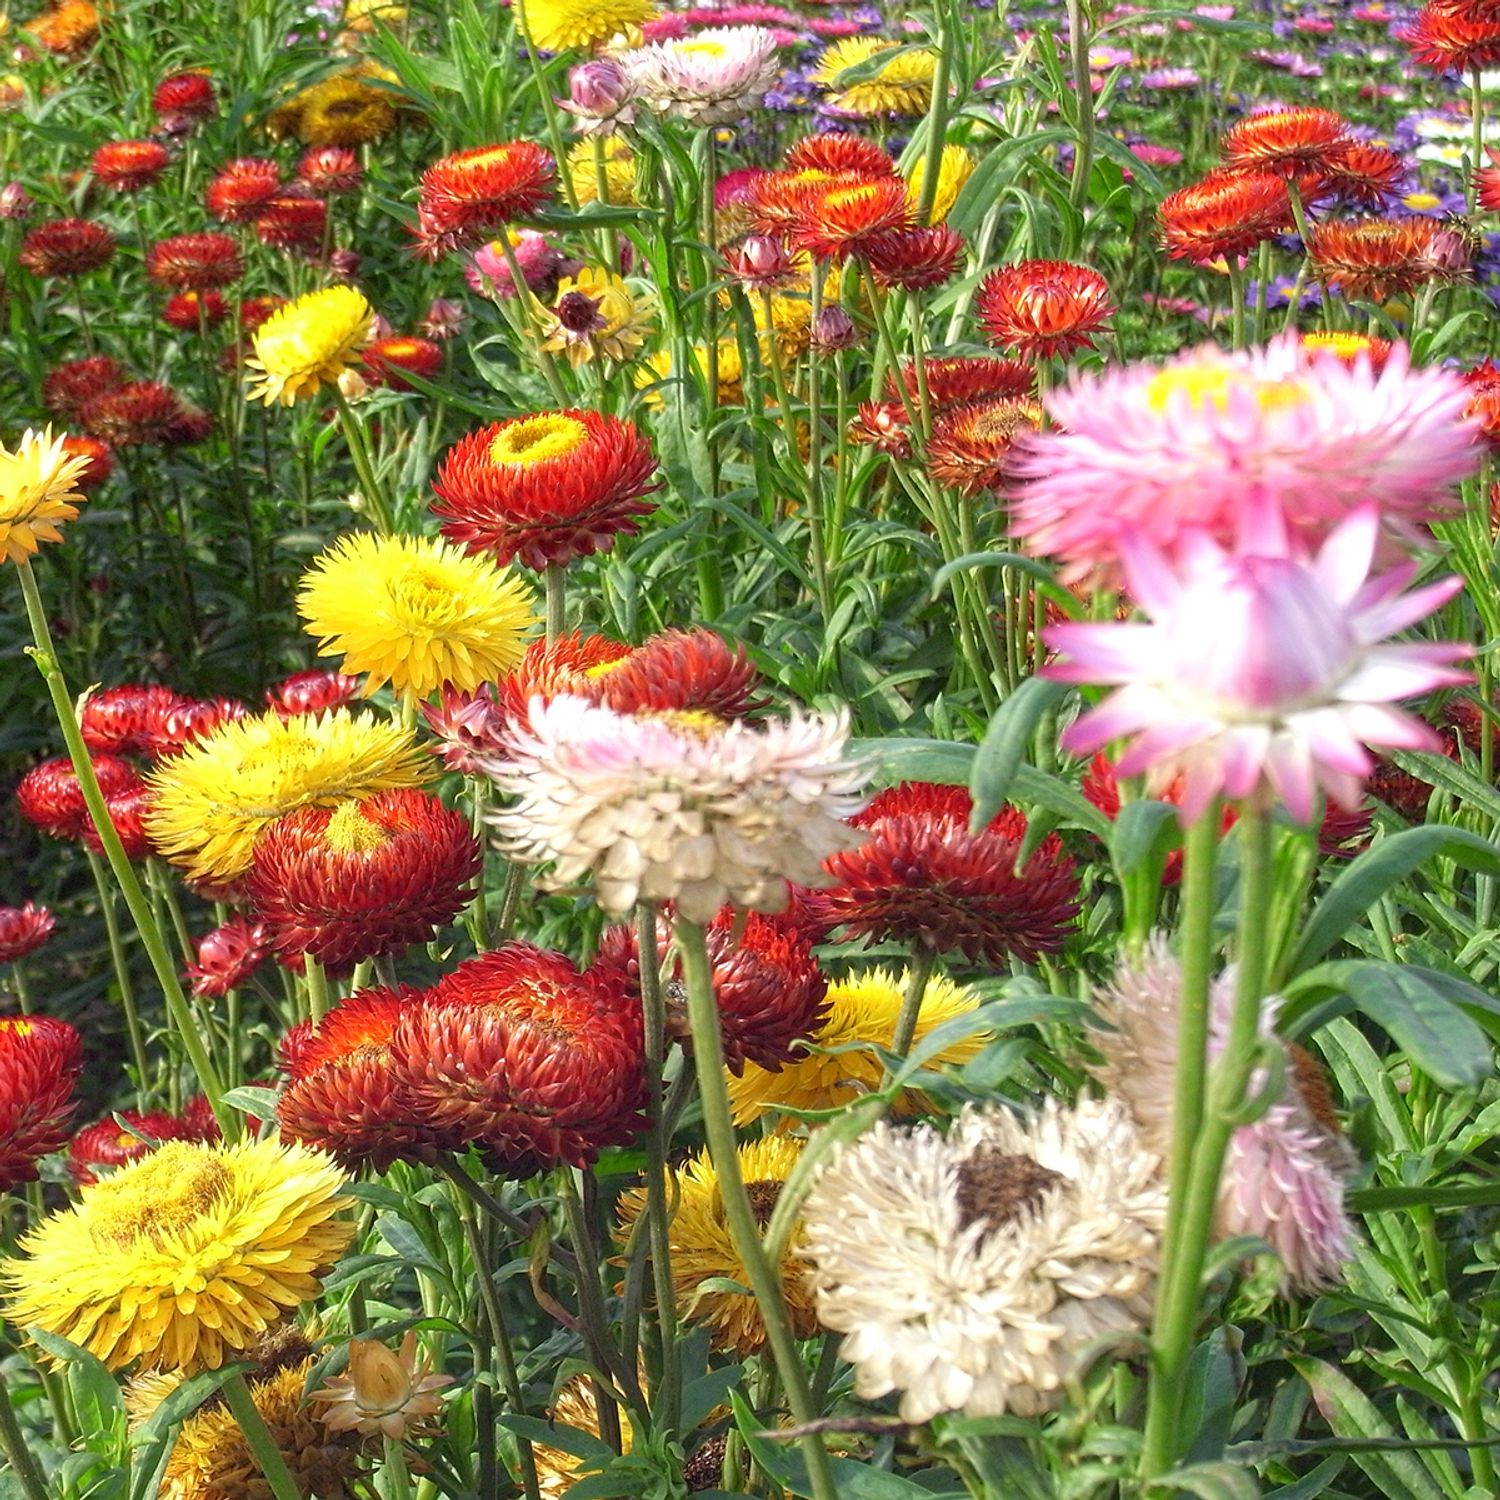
point(594, 316)
point(382, 1392)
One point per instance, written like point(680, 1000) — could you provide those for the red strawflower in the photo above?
point(963, 380)
point(68, 388)
point(39, 1062)
point(883, 425)
point(311, 692)
point(190, 95)
point(913, 259)
point(1225, 216)
point(832, 220)
point(971, 447)
point(1487, 182)
point(1350, 348)
point(194, 311)
point(329, 169)
point(520, 1052)
point(66, 247)
point(242, 189)
point(364, 879)
point(133, 415)
point(1287, 142)
point(545, 488)
point(23, 929)
point(1368, 175)
point(128, 166)
point(469, 727)
point(255, 310)
point(1044, 307)
point(1484, 399)
point(187, 722)
point(101, 459)
point(463, 196)
point(761, 261)
point(127, 810)
point(769, 991)
point(840, 153)
point(195, 262)
point(50, 798)
point(1442, 39)
point(126, 720)
point(922, 877)
point(228, 957)
point(190, 424)
point(288, 223)
point(1378, 258)
point(386, 359)
point(346, 1093)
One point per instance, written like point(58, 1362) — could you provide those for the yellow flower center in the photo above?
point(1345, 345)
point(703, 49)
point(425, 597)
point(1208, 385)
point(163, 1195)
point(537, 439)
point(1422, 200)
point(697, 722)
point(349, 831)
point(15, 1026)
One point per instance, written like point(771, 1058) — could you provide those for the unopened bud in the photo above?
point(15, 202)
point(834, 329)
point(344, 263)
point(760, 260)
point(598, 93)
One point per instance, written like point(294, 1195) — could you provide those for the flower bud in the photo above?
point(599, 92)
point(344, 264)
point(443, 319)
point(760, 260)
point(15, 202)
point(834, 329)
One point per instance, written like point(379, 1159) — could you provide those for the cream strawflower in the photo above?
point(678, 806)
point(714, 77)
point(967, 1270)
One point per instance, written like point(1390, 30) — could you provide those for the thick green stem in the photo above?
point(922, 960)
point(258, 1439)
point(744, 1231)
point(1083, 100)
point(937, 126)
point(122, 976)
point(13, 1441)
point(555, 578)
point(364, 467)
point(316, 980)
point(119, 864)
point(1476, 109)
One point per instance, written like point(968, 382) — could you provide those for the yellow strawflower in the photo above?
point(902, 87)
point(416, 612)
point(593, 316)
point(209, 803)
point(184, 1258)
point(955, 168)
point(37, 492)
point(862, 1014)
point(619, 171)
point(567, 25)
point(308, 343)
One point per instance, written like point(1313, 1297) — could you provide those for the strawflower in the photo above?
point(308, 343)
point(382, 1392)
point(40, 1060)
point(569, 25)
point(594, 316)
point(1042, 308)
point(714, 77)
point(23, 929)
point(38, 493)
point(903, 86)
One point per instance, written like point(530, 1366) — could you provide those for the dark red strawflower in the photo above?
point(1378, 258)
point(126, 720)
point(39, 1062)
point(546, 488)
point(311, 692)
point(242, 189)
point(109, 1144)
point(186, 94)
point(768, 988)
point(288, 223)
point(363, 879)
point(228, 957)
point(23, 929)
point(519, 1051)
point(1225, 216)
point(1042, 308)
point(1444, 39)
point(127, 812)
point(465, 195)
point(69, 387)
point(972, 447)
point(386, 359)
point(922, 877)
point(101, 459)
point(838, 152)
point(1287, 142)
point(195, 262)
point(329, 169)
point(194, 311)
point(187, 722)
point(50, 798)
point(346, 1093)
point(190, 424)
point(963, 380)
point(128, 166)
point(66, 247)
point(133, 415)
point(913, 259)
point(255, 310)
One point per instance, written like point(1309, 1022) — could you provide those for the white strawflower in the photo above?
point(1284, 1173)
point(714, 77)
point(678, 807)
point(969, 1269)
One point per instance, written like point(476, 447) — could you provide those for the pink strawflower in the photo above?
point(1261, 672)
point(468, 726)
point(540, 261)
point(1150, 450)
point(714, 78)
point(1284, 1173)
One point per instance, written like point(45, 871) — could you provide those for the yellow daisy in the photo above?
point(594, 316)
point(703, 1250)
point(209, 803)
point(37, 492)
point(364, 15)
point(415, 612)
point(308, 343)
point(656, 370)
point(862, 1014)
point(619, 171)
point(557, 1471)
point(567, 25)
point(340, 111)
point(955, 168)
point(184, 1258)
point(902, 87)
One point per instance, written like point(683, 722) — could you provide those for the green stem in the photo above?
point(316, 980)
point(364, 467)
point(555, 578)
point(122, 975)
point(922, 960)
point(119, 863)
point(744, 1231)
point(1083, 99)
point(1181, 1284)
point(937, 126)
point(816, 547)
point(1237, 303)
point(13, 1441)
point(1476, 109)
point(258, 1439)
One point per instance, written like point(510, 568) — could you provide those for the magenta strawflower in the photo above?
point(1261, 673)
point(1151, 450)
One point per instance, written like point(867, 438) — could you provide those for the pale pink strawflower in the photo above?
point(540, 262)
point(1148, 451)
point(1260, 673)
point(678, 807)
point(714, 77)
point(600, 95)
point(1284, 1173)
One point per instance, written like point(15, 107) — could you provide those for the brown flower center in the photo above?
point(763, 1195)
point(995, 1187)
point(579, 313)
point(1312, 1084)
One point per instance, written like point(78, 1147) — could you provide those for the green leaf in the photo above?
point(1215, 1481)
point(1312, 1485)
point(1452, 1195)
point(1006, 743)
point(942, 761)
point(1144, 832)
point(96, 1393)
point(571, 1440)
point(251, 1100)
point(1373, 873)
